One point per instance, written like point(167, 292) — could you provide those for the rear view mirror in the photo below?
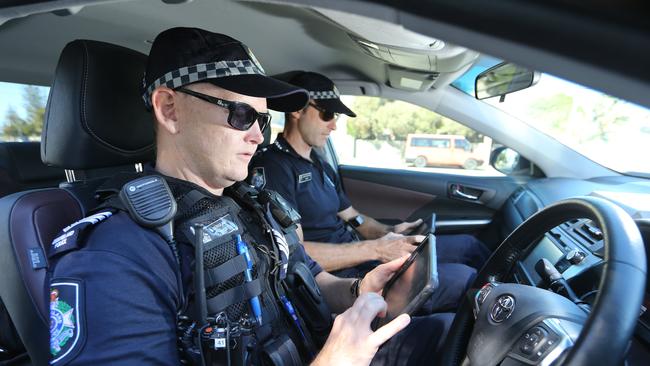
point(503, 79)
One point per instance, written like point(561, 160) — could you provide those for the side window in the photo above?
point(462, 144)
point(420, 142)
point(22, 108)
point(399, 135)
point(440, 143)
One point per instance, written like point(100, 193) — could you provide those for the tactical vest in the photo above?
point(217, 324)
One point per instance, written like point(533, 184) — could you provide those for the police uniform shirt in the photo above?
point(115, 300)
point(311, 187)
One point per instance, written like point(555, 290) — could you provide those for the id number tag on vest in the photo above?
point(218, 228)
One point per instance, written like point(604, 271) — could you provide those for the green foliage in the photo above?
point(383, 119)
point(29, 128)
point(553, 110)
point(604, 119)
point(583, 120)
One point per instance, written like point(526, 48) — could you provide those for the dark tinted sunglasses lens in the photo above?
point(242, 117)
point(327, 116)
point(264, 120)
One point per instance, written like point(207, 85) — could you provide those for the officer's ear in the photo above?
point(296, 115)
point(165, 108)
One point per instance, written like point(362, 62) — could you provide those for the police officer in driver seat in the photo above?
point(219, 277)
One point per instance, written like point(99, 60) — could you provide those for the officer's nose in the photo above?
point(332, 124)
point(255, 135)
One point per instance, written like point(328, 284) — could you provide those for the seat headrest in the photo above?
point(95, 116)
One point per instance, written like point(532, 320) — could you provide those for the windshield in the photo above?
point(607, 130)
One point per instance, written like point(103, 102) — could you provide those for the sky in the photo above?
point(11, 95)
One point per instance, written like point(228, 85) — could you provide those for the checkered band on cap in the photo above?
point(191, 74)
point(324, 94)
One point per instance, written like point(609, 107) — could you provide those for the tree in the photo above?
point(553, 111)
point(379, 118)
point(18, 128)
point(604, 115)
point(365, 126)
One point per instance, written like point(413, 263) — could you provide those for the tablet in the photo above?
point(427, 226)
point(413, 283)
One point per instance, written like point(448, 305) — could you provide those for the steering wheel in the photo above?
point(513, 324)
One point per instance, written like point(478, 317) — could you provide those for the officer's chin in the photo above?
point(238, 176)
point(319, 144)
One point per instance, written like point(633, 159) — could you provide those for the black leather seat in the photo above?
point(95, 119)
point(21, 168)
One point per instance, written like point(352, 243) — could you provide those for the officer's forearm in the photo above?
point(336, 291)
point(373, 229)
point(333, 257)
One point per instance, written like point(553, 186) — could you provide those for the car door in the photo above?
point(380, 183)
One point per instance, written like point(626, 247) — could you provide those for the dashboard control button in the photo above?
point(575, 256)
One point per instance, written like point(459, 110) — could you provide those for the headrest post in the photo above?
point(69, 176)
point(138, 167)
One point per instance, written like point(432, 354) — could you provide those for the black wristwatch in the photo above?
point(354, 288)
point(356, 221)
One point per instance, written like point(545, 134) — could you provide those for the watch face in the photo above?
point(356, 221)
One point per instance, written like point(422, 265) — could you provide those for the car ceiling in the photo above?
point(282, 37)
point(607, 48)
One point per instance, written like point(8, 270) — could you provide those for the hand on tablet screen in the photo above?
point(406, 227)
point(375, 280)
point(351, 341)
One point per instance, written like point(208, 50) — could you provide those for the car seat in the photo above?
point(95, 122)
point(21, 168)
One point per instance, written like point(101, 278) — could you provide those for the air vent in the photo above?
point(518, 192)
point(525, 204)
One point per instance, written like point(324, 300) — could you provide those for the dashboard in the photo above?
point(576, 247)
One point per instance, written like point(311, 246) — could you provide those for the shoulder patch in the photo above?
point(70, 235)
point(67, 320)
point(258, 178)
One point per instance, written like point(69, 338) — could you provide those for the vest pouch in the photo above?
point(304, 293)
point(280, 351)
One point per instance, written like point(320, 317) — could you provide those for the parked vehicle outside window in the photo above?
point(400, 135)
point(440, 150)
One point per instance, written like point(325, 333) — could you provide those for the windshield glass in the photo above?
point(607, 130)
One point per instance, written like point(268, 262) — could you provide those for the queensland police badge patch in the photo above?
point(66, 326)
point(258, 179)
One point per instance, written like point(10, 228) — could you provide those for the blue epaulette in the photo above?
point(71, 236)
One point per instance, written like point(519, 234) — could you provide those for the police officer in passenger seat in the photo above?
point(291, 167)
point(183, 264)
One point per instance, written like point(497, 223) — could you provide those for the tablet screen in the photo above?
point(413, 283)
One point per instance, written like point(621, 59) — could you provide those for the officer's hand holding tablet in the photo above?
point(412, 284)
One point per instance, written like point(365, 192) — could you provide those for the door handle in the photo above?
point(457, 191)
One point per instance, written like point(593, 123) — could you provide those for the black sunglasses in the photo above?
point(324, 114)
point(241, 116)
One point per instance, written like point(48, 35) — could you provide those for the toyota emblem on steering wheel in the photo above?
point(502, 308)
